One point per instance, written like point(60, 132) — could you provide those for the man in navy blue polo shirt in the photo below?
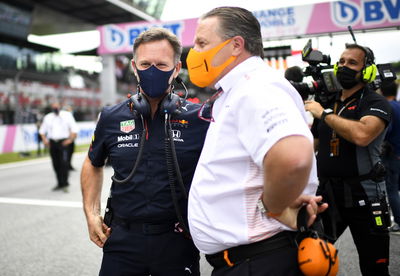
point(147, 233)
point(391, 153)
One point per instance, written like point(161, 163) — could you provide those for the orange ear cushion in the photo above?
point(318, 257)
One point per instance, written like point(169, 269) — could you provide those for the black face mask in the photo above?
point(56, 110)
point(347, 77)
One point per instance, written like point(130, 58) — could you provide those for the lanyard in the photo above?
point(340, 112)
point(334, 142)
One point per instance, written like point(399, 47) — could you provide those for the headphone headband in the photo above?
point(369, 56)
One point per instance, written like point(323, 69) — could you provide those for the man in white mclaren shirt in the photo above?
point(257, 166)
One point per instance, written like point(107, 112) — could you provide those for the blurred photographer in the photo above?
point(391, 153)
point(348, 136)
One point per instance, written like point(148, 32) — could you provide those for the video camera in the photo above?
point(386, 74)
point(324, 85)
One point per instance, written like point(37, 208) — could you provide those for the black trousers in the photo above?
point(273, 256)
point(60, 159)
point(282, 261)
point(71, 149)
point(372, 244)
point(134, 253)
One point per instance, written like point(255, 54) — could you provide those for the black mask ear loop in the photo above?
point(138, 87)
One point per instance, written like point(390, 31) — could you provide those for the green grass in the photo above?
point(23, 156)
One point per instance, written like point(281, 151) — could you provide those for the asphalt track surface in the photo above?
point(44, 233)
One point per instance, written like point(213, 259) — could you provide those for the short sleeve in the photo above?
point(44, 126)
point(97, 150)
point(73, 125)
point(376, 105)
point(267, 118)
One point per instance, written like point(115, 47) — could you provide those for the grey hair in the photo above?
point(235, 21)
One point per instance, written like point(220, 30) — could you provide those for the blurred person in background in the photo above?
point(58, 130)
point(38, 122)
point(391, 153)
point(71, 147)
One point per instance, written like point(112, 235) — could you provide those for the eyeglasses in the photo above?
point(205, 111)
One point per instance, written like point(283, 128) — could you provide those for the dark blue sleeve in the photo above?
point(97, 151)
point(390, 126)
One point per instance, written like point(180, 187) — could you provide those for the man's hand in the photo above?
point(91, 183)
point(315, 108)
point(66, 142)
point(98, 231)
point(289, 215)
point(45, 142)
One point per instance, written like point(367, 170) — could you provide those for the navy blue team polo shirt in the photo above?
point(393, 133)
point(147, 196)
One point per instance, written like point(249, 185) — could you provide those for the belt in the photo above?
point(231, 256)
point(145, 228)
point(57, 140)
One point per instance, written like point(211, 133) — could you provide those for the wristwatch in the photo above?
point(261, 206)
point(263, 209)
point(325, 113)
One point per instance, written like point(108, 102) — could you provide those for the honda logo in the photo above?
point(176, 133)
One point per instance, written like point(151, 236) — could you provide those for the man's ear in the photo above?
point(238, 45)
point(178, 67)
point(134, 69)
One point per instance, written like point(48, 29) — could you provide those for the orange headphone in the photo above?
point(316, 256)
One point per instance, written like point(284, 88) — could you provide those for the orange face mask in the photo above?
point(201, 71)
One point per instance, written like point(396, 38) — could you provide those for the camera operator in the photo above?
point(348, 136)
